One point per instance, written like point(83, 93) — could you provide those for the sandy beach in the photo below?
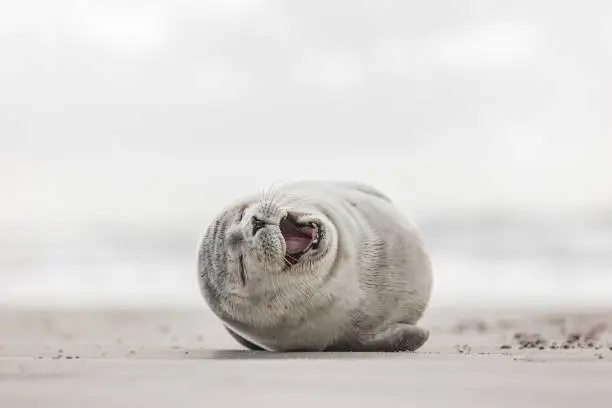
point(162, 357)
point(127, 127)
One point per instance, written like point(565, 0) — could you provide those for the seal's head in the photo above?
point(254, 245)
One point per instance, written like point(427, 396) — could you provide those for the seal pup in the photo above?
point(317, 266)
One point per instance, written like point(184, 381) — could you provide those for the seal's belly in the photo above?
point(313, 335)
point(304, 332)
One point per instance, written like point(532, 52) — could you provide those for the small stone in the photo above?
point(69, 357)
point(541, 347)
point(595, 332)
point(505, 346)
point(554, 345)
point(462, 348)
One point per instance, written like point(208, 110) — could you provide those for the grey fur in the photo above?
point(364, 289)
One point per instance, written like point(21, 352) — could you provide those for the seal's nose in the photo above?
point(257, 224)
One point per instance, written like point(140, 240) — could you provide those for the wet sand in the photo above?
point(164, 357)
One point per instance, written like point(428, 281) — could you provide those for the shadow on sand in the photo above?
point(268, 355)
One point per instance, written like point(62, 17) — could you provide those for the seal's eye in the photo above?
point(257, 224)
point(241, 214)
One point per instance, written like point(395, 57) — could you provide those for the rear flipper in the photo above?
point(397, 337)
point(244, 342)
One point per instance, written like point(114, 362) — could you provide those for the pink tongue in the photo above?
point(297, 244)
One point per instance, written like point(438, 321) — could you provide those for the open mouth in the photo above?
point(299, 238)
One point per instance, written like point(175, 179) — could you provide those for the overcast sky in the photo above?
point(133, 109)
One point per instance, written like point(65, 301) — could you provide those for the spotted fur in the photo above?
point(364, 288)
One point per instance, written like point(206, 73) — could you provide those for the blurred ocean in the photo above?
point(492, 260)
point(124, 126)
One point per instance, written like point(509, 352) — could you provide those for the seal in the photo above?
point(317, 266)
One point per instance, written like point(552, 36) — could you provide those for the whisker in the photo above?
point(291, 257)
point(267, 198)
point(269, 191)
point(262, 194)
point(276, 191)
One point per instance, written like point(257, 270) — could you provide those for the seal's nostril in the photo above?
point(257, 224)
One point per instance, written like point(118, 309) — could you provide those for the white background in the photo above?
point(126, 125)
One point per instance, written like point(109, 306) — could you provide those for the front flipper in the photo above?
point(397, 337)
point(244, 342)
